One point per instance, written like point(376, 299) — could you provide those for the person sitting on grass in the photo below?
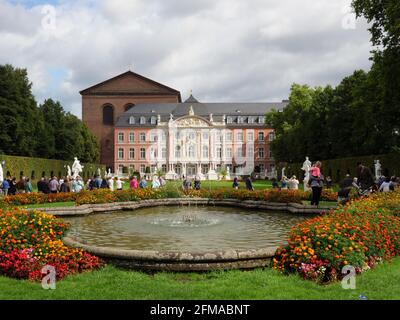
point(155, 184)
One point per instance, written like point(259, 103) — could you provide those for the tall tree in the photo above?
point(18, 112)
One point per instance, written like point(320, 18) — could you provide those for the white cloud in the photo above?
point(224, 50)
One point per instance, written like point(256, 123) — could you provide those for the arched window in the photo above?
point(132, 120)
point(191, 152)
point(108, 115)
point(205, 151)
point(128, 106)
point(177, 152)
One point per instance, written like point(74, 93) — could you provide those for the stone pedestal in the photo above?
point(171, 175)
point(212, 175)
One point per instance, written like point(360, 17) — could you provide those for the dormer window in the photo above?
point(240, 119)
point(229, 120)
point(132, 120)
point(153, 120)
point(251, 120)
point(261, 120)
point(142, 120)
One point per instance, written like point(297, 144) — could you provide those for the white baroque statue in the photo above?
point(378, 169)
point(76, 168)
point(1, 173)
point(69, 172)
point(306, 168)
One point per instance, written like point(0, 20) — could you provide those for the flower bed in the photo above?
point(107, 196)
point(360, 234)
point(31, 240)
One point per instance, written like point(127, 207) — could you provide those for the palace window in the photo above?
point(261, 153)
point(142, 153)
point(261, 136)
point(121, 137)
point(271, 136)
point(153, 153)
point(239, 136)
point(261, 120)
point(131, 120)
point(163, 136)
point(121, 153)
point(177, 152)
point(240, 120)
point(250, 152)
point(108, 115)
point(142, 168)
point(131, 137)
point(191, 152)
point(206, 136)
point(164, 153)
point(250, 136)
point(131, 153)
point(142, 137)
point(229, 120)
point(131, 168)
point(153, 137)
point(153, 120)
point(121, 169)
point(250, 120)
point(164, 168)
point(205, 152)
point(228, 136)
point(219, 152)
point(262, 168)
point(239, 152)
point(142, 120)
point(229, 152)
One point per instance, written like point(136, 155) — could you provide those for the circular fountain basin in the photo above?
point(183, 238)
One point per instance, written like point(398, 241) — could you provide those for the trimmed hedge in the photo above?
point(35, 168)
point(338, 168)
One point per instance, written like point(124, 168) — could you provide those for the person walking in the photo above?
point(294, 183)
point(54, 185)
point(365, 178)
point(65, 186)
point(155, 183)
point(134, 184)
point(249, 184)
point(6, 187)
point(143, 183)
point(316, 187)
point(197, 183)
point(28, 186)
point(119, 183)
point(110, 183)
point(235, 184)
point(386, 185)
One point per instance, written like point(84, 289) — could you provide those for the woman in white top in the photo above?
point(294, 183)
point(119, 184)
point(110, 183)
point(385, 186)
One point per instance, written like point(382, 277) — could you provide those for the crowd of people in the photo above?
point(11, 186)
point(364, 183)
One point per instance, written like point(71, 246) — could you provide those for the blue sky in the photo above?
point(225, 51)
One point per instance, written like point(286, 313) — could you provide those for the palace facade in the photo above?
point(158, 132)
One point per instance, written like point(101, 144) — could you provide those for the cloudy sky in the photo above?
point(224, 50)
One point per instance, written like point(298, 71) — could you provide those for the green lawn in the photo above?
point(111, 283)
point(49, 205)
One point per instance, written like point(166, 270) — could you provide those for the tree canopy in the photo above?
point(45, 131)
point(360, 116)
